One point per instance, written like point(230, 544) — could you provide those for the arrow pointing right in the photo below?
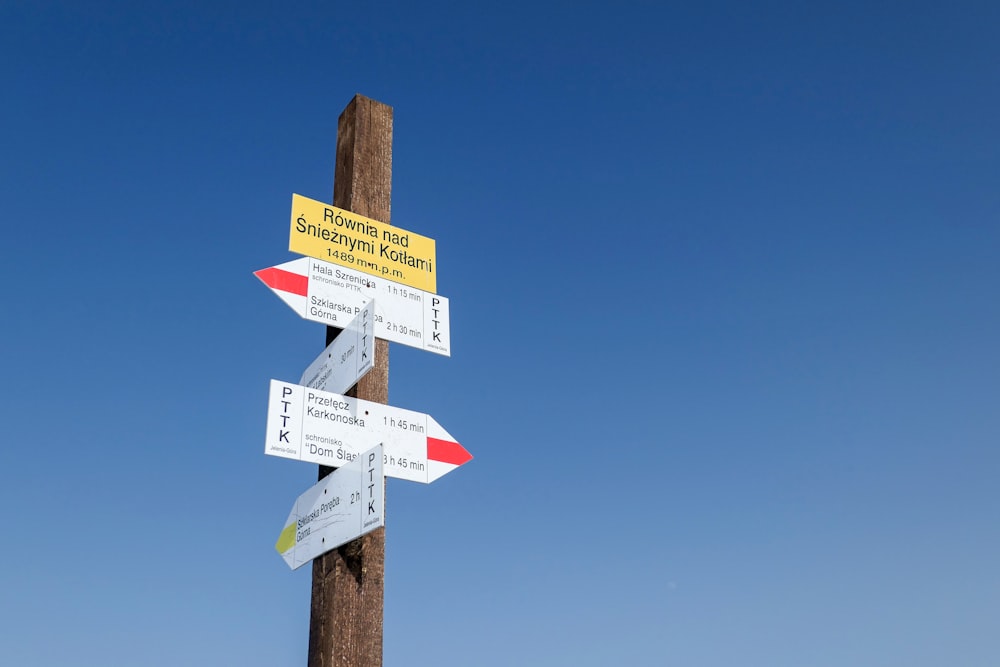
point(331, 429)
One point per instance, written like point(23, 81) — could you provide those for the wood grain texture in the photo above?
point(345, 626)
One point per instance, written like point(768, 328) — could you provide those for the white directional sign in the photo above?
point(341, 507)
point(333, 295)
point(330, 429)
point(347, 358)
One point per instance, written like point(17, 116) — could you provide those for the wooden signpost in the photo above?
point(318, 422)
point(345, 625)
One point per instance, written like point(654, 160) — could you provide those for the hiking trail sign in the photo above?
point(329, 294)
point(347, 358)
point(341, 507)
point(333, 234)
point(332, 430)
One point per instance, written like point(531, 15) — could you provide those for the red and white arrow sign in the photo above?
point(332, 430)
point(332, 295)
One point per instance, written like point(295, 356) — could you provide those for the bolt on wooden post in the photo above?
point(345, 626)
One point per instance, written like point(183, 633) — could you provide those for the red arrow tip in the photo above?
point(446, 451)
point(285, 281)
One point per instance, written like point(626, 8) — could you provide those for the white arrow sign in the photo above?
point(330, 294)
point(330, 429)
point(341, 507)
point(347, 358)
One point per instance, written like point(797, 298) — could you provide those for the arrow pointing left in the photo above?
point(341, 507)
point(347, 358)
point(332, 295)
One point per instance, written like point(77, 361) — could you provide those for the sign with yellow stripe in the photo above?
point(341, 507)
point(338, 236)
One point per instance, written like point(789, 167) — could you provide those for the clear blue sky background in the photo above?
point(724, 311)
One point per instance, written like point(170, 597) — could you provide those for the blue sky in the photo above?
point(724, 329)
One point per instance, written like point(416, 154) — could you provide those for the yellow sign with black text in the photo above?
point(340, 237)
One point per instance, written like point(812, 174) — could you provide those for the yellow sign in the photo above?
point(335, 235)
